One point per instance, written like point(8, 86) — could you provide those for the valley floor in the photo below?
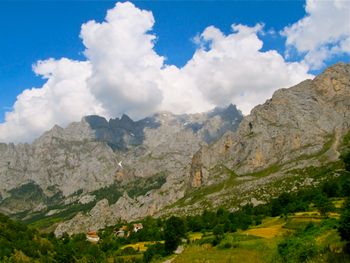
point(260, 243)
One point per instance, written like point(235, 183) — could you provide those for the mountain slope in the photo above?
point(276, 146)
point(294, 122)
point(274, 150)
point(69, 170)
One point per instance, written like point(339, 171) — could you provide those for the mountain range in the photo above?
point(96, 172)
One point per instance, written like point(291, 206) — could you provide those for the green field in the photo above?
point(260, 243)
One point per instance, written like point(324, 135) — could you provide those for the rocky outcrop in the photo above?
point(275, 149)
point(299, 123)
point(95, 153)
point(126, 208)
point(61, 160)
point(295, 123)
point(291, 130)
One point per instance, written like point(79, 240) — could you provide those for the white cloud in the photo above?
point(62, 99)
point(125, 66)
point(324, 32)
point(233, 69)
point(124, 74)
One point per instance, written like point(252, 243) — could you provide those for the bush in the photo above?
point(153, 251)
point(228, 245)
point(128, 251)
point(173, 232)
point(346, 159)
point(344, 225)
point(296, 249)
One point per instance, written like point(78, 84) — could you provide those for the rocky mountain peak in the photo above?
point(161, 159)
point(94, 154)
point(96, 122)
point(228, 113)
point(334, 81)
point(126, 119)
point(295, 121)
point(298, 127)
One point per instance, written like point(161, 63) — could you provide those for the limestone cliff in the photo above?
point(86, 158)
point(298, 127)
point(168, 164)
point(295, 122)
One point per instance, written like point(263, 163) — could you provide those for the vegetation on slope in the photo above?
point(32, 193)
point(295, 227)
point(309, 225)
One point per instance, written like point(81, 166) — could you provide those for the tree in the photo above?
point(173, 232)
point(297, 249)
point(209, 219)
point(153, 250)
point(323, 204)
point(194, 223)
point(344, 225)
point(346, 159)
point(218, 232)
point(151, 231)
point(331, 189)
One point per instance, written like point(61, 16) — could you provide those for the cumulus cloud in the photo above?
point(125, 67)
point(63, 98)
point(324, 32)
point(124, 74)
point(233, 69)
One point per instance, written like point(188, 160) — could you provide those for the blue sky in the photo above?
point(43, 29)
point(39, 30)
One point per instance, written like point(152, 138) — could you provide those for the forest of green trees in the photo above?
point(20, 243)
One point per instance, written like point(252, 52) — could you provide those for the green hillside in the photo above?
point(311, 225)
point(308, 225)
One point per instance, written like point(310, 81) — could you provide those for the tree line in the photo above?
point(19, 243)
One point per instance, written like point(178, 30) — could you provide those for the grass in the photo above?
point(318, 172)
point(307, 214)
point(265, 172)
point(241, 246)
point(236, 247)
point(338, 203)
point(318, 154)
point(46, 224)
point(141, 246)
point(127, 259)
point(208, 254)
point(297, 180)
point(198, 195)
point(201, 194)
point(271, 221)
point(112, 193)
point(282, 184)
point(266, 232)
point(332, 240)
point(314, 215)
point(195, 236)
point(259, 244)
point(40, 220)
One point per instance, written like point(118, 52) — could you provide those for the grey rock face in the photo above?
point(295, 123)
point(95, 153)
point(296, 130)
point(192, 151)
point(121, 133)
point(64, 159)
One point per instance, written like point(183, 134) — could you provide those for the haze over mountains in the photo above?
point(176, 164)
